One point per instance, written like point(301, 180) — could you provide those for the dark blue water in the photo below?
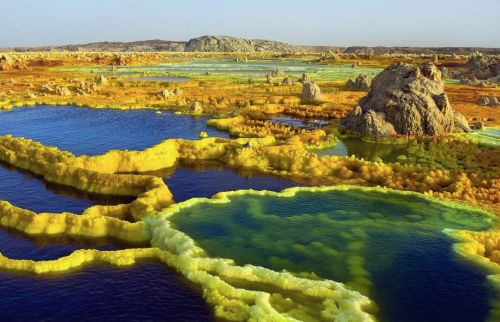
point(189, 179)
point(446, 288)
point(143, 292)
point(29, 191)
point(88, 131)
point(17, 245)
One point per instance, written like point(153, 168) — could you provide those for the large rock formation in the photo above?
point(311, 91)
point(405, 100)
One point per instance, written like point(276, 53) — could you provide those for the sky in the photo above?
point(438, 23)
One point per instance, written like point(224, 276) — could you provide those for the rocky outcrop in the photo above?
point(305, 79)
point(239, 45)
point(478, 66)
point(445, 73)
point(270, 79)
point(102, 80)
point(220, 44)
point(479, 126)
point(30, 95)
point(405, 100)
point(494, 102)
point(88, 88)
point(362, 82)
point(359, 50)
point(483, 101)
point(278, 73)
point(288, 81)
point(311, 91)
point(63, 91)
point(164, 94)
point(195, 107)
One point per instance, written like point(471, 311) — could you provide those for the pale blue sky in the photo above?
point(305, 22)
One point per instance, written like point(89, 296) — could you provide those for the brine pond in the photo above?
point(242, 70)
point(387, 245)
point(82, 130)
point(349, 145)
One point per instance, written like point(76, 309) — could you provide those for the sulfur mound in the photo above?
point(405, 100)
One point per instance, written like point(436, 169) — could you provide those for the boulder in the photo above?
point(311, 91)
point(404, 100)
point(350, 84)
point(178, 92)
point(288, 81)
point(362, 82)
point(30, 95)
point(479, 126)
point(89, 88)
point(165, 93)
point(196, 107)
point(494, 101)
point(63, 91)
point(46, 88)
point(305, 79)
point(278, 73)
point(270, 79)
point(102, 80)
point(483, 101)
point(445, 73)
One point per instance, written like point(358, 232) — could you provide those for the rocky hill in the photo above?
point(233, 44)
point(145, 45)
point(420, 50)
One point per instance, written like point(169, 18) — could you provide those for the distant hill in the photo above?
point(420, 50)
point(145, 45)
point(233, 44)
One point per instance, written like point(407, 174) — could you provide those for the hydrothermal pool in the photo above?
point(236, 70)
point(387, 245)
point(82, 130)
point(142, 292)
